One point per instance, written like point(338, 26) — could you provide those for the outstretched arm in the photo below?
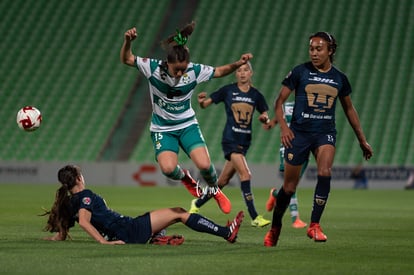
point(85, 223)
point(229, 68)
point(126, 53)
point(203, 100)
point(353, 119)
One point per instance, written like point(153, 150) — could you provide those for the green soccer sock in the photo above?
point(293, 207)
point(177, 174)
point(209, 175)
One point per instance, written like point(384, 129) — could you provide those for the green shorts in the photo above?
point(187, 138)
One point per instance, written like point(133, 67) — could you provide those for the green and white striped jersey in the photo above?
point(288, 111)
point(170, 96)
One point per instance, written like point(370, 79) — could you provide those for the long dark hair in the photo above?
point(331, 42)
point(60, 216)
point(175, 46)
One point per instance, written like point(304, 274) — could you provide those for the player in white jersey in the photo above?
point(173, 125)
point(271, 202)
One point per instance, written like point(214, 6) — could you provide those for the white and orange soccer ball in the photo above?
point(29, 118)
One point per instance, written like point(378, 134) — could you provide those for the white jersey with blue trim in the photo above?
point(170, 96)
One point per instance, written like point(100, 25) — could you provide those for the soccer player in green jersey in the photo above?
point(174, 124)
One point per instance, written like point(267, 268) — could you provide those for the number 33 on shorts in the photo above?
point(331, 139)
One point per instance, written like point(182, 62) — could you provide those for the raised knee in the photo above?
point(324, 172)
point(167, 170)
point(204, 166)
point(245, 176)
point(289, 189)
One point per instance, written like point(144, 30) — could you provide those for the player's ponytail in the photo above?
point(60, 215)
point(175, 44)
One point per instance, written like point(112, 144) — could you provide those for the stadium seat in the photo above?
point(67, 65)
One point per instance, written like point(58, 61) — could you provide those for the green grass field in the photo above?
point(369, 232)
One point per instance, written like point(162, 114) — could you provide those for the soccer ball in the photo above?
point(29, 118)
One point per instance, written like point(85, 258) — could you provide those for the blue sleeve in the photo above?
point(292, 79)
point(86, 200)
point(261, 103)
point(219, 95)
point(346, 88)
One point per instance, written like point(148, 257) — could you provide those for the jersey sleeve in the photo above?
point(146, 65)
point(346, 88)
point(86, 201)
point(261, 103)
point(219, 95)
point(292, 79)
point(205, 72)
